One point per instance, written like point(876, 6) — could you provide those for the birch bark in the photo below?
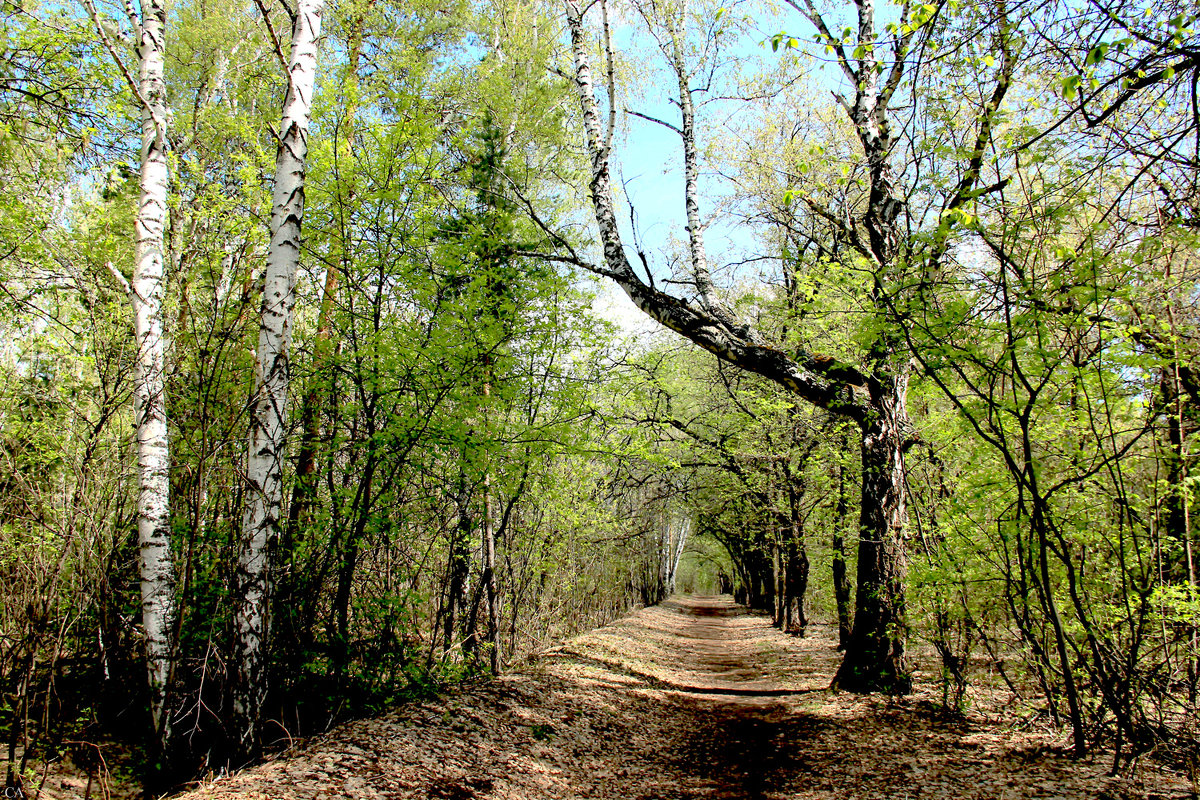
point(683, 527)
point(155, 568)
point(156, 571)
point(268, 413)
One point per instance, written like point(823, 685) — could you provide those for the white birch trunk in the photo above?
point(683, 527)
point(155, 568)
point(268, 418)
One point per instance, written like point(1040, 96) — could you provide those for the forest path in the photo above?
point(694, 698)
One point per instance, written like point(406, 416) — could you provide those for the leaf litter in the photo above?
point(694, 698)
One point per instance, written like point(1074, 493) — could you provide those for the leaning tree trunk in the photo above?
point(268, 416)
point(874, 399)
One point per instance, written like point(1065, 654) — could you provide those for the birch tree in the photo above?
point(145, 292)
point(268, 412)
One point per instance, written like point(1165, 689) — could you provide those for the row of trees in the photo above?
point(351, 416)
point(372, 437)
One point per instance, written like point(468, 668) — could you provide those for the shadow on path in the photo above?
point(695, 699)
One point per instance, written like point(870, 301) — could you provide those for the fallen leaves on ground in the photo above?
point(695, 698)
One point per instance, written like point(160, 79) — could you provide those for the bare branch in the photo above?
point(655, 120)
point(812, 15)
point(966, 189)
point(159, 123)
point(275, 43)
point(122, 281)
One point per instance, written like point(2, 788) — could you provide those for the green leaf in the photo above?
point(1097, 53)
point(1070, 87)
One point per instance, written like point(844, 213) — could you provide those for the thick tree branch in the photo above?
point(276, 45)
point(121, 280)
point(822, 381)
point(809, 10)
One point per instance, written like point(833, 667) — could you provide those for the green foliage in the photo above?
point(445, 361)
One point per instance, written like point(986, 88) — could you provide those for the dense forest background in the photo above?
point(320, 387)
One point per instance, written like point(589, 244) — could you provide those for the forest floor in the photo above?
point(695, 698)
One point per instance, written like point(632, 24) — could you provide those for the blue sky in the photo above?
point(647, 162)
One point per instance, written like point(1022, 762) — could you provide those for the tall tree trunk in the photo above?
point(764, 580)
point(489, 542)
point(841, 583)
point(155, 568)
point(459, 569)
point(154, 548)
point(796, 564)
point(489, 576)
point(268, 414)
point(665, 551)
point(795, 620)
point(682, 526)
point(875, 653)
point(778, 583)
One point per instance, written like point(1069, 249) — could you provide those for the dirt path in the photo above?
point(695, 698)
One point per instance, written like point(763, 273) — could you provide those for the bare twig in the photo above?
point(122, 281)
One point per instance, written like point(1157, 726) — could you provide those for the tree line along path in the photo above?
point(694, 698)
